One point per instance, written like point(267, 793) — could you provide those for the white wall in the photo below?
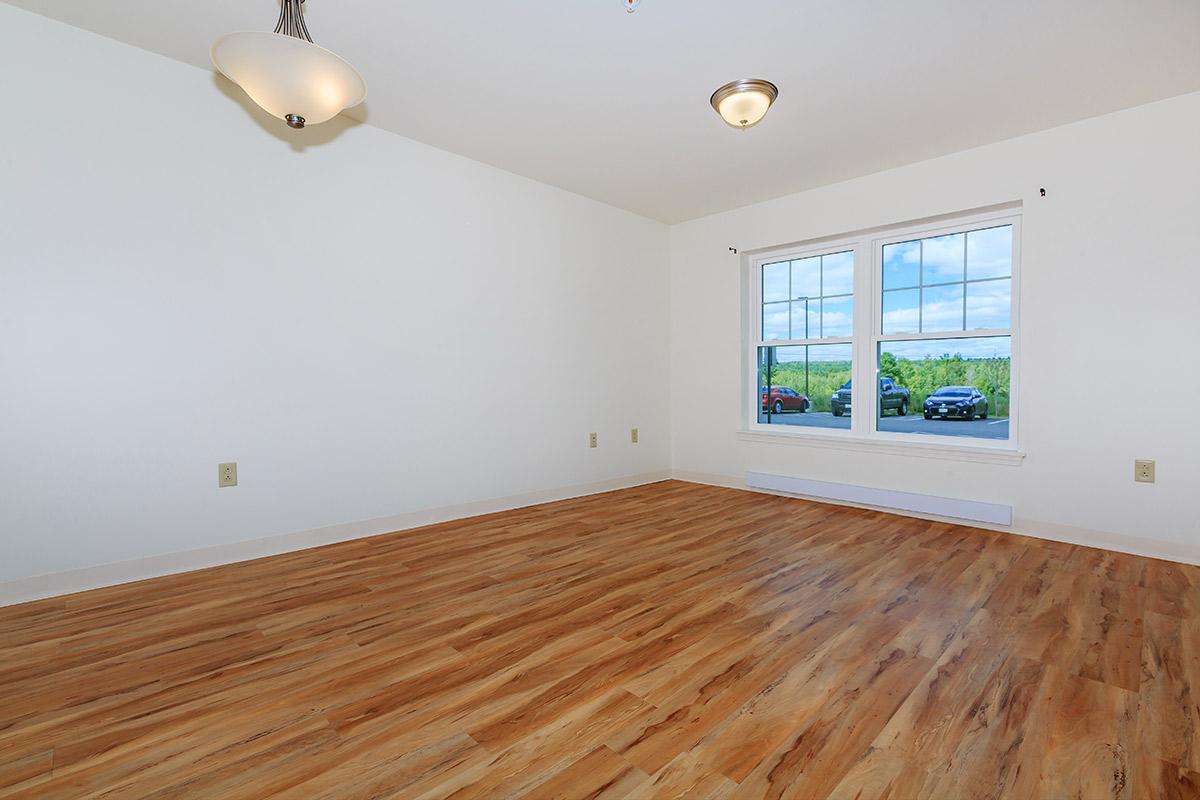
point(373, 328)
point(1109, 289)
point(367, 325)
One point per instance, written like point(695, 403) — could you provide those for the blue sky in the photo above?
point(977, 265)
point(983, 255)
point(806, 281)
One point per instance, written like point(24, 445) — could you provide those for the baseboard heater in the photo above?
point(972, 510)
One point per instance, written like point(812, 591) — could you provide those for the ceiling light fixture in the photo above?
point(288, 75)
point(744, 103)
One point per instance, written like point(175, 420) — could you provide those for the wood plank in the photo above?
point(1170, 691)
point(25, 773)
point(670, 640)
point(1086, 747)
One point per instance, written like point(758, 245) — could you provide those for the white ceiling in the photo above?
point(580, 94)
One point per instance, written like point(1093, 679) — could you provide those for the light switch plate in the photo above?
point(633, 435)
point(227, 474)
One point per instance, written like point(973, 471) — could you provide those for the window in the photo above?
point(938, 295)
point(938, 342)
point(805, 310)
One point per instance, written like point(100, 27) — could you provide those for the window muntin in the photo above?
point(963, 285)
point(949, 282)
point(807, 298)
point(946, 289)
point(804, 352)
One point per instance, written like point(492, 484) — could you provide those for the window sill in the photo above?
point(948, 452)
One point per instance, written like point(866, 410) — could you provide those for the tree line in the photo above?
point(818, 380)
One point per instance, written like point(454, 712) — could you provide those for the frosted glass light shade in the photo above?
point(289, 77)
point(744, 103)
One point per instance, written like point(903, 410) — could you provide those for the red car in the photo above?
point(781, 399)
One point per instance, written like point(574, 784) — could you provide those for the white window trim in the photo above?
point(845, 440)
point(863, 434)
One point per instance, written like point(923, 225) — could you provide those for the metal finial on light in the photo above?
point(743, 103)
point(285, 73)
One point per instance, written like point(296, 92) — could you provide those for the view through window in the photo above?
point(938, 345)
point(804, 350)
point(954, 286)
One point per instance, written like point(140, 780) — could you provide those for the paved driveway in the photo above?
point(991, 428)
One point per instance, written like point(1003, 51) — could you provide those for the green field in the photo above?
point(922, 377)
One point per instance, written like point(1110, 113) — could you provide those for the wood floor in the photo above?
point(672, 640)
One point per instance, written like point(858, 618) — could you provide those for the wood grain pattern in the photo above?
point(672, 640)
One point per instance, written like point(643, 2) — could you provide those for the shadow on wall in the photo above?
point(299, 140)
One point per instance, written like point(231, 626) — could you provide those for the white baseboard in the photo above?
point(42, 586)
point(954, 508)
point(1038, 529)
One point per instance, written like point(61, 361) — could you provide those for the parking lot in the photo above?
point(990, 428)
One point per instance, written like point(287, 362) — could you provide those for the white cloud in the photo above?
point(775, 321)
point(989, 304)
point(942, 258)
point(838, 273)
point(989, 253)
point(806, 277)
point(775, 282)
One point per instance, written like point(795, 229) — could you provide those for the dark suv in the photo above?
point(890, 396)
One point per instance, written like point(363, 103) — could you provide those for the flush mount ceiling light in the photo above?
point(744, 103)
point(285, 73)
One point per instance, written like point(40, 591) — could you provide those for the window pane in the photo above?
point(900, 311)
point(775, 282)
point(942, 308)
point(806, 319)
point(775, 321)
point(837, 316)
point(947, 387)
point(815, 373)
point(989, 304)
point(942, 259)
point(837, 274)
point(901, 265)
point(806, 277)
point(989, 253)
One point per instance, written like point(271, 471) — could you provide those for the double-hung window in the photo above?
point(804, 348)
point(934, 334)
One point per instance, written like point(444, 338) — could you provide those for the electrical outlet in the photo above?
point(227, 474)
point(633, 435)
point(1143, 471)
point(592, 440)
